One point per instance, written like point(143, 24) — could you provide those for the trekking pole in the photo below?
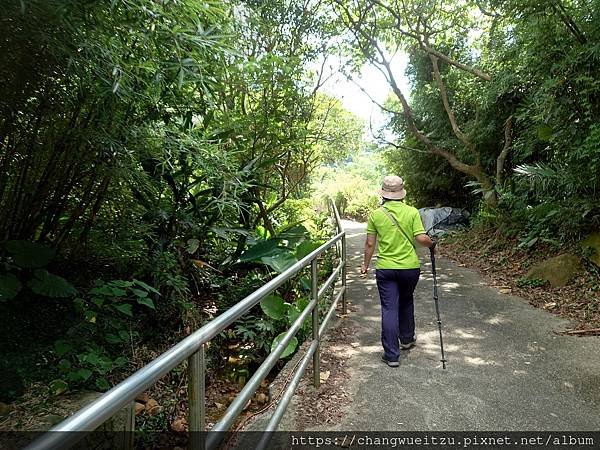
point(437, 306)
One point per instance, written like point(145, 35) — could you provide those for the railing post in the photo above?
point(344, 310)
point(314, 289)
point(128, 437)
point(196, 402)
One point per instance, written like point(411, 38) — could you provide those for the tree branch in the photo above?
point(487, 12)
point(504, 153)
point(560, 9)
point(444, 94)
point(476, 171)
point(421, 38)
point(472, 70)
point(391, 111)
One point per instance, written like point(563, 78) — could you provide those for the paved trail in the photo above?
point(507, 370)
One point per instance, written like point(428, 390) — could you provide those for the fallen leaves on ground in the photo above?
point(325, 404)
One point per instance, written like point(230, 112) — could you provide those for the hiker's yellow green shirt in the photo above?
point(394, 249)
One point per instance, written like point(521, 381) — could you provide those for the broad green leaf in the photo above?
point(260, 250)
point(273, 306)
point(294, 229)
point(62, 347)
point(295, 234)
point(64, 364)
point(9, 286)
point(302, 303)
point(102, 384)
point(92, 358)
point(124, 335)
point(291, 347)
point(51, 285)
point(305, 283)
point(118, 292)
point(104, 365)
point(279, 263)
point(116, 324)
point(146, 286)
point(306, 247)
point(121, 283)
point(293, 313)
point(139, 293)
point(121, 361)
point(544, 133)
point(125, 308)
point(29, 254)
point(192, 245)
point(84, 374)
point(58, 387)
point(146, 302)
point(101, 290)
point(113, 339)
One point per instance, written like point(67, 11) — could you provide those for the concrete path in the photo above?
point(506, 370)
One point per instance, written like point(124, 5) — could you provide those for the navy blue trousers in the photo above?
point(396, 288)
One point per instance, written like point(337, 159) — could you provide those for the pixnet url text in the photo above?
point(466, 441)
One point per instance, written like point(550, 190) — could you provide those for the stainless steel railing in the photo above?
point(192, 348)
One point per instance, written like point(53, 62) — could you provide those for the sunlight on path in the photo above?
point(507, 370)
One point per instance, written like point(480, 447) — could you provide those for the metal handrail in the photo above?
point(192, 348)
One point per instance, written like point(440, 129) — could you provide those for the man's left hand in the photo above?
point(363, 270)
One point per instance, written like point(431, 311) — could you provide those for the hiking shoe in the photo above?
point(408, 345)
point(390, 363)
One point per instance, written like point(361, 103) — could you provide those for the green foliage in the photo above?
point(306, 247)
point(286, 314)
point(264, 333)
point(159, 141)
point(298, 211)
point(22, 257)
point(280, 262)
point(551, 59)
point(273, 306)
point(261, 249)
point(9, 286)
point(96, 346)
point(542, 60)
point(44, 283)
point(353, 185)
point(282, 251)
point(429, 180)
point(289, 349)
point(531, 282)
point(281, 309)
point(251, 338)
point(256, 330)
point(29, 254)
